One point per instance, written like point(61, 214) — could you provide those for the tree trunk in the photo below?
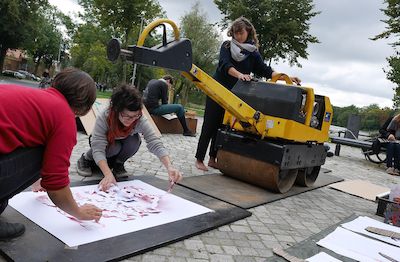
point(178, 89)
point(139, 80)
point(3, 52)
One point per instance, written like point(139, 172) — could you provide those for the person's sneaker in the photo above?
point(390, 170)
point(9, 231)
point(396, 172)
point(119, 169)
point(329, 154)
point(189, 133)
point(84, 167)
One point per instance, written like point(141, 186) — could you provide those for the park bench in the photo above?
point(375, 154)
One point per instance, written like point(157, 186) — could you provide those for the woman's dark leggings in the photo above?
point(213, 116)
point(393, 155)
point(121, 150)
point(18, 170)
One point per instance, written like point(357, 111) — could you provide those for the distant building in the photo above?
point(15, 59)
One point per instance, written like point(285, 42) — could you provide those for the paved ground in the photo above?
point(281, 223)
point(24, 82)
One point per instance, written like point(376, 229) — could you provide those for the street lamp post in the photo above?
point(135, 65)
point(58, 67)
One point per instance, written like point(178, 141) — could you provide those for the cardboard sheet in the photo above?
point(361, 188)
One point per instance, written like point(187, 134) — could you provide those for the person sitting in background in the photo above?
point(393, 147)
point(37, 135)
point(158, 90)
point(115, 138)
point(46, 80)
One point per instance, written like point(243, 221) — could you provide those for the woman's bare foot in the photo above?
point(212, 163)
point(200, 165)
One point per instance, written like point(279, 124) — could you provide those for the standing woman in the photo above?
point(238, 58)
point(115, 138)
point(393, 147)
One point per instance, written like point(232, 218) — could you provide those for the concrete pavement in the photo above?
point(282, 223)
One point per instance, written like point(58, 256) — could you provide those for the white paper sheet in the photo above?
point(135, 207)
point(322, 257)
point(358, 247)
point(359, 224)
point(169, 116)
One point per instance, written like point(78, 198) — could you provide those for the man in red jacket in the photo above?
point(37, 135)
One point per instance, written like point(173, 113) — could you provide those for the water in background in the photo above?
point(336, 130)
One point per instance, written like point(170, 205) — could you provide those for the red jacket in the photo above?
point(34, 117)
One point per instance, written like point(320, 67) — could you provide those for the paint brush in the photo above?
point(388, 257)
point(171, 185)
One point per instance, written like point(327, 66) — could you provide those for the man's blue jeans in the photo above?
point(168, 109)
point(393, 153)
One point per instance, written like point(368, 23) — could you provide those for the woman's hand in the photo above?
point(244, 77)
point(174, 175)
point(107, 182)
point(391, 137)
point(89, 212)
point(296, 80)
point(36, 187)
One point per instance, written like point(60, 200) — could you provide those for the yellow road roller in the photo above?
point(273, 132)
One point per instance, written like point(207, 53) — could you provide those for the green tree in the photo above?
point(341, 114)
point(88, 53)
point(282, 25)
point(372, 116)
point(47, 38)
point(205, 41)
point(122, 16)
point(392, 11)
point(17, 24)
point(97, 64)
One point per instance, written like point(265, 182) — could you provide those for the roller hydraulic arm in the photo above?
point(177, 55)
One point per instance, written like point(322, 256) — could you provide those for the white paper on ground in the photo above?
point(359, 224)
point(358, 247)
point(169, 116)
point(121, 214)
point(322, 257)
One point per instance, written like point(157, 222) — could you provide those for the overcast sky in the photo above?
point(346, 65)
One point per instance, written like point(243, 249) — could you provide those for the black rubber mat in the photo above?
point(244, 195)
point(38, 245)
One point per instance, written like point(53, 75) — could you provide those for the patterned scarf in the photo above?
point(116, 128)
point(240, 52)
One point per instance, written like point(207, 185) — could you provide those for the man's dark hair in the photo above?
point(169, 78)
point(77, 87)
point(126, 96)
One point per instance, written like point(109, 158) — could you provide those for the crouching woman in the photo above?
point(116, 138)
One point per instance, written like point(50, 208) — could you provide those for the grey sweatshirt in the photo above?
point(99, 137)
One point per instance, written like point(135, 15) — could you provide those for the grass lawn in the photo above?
point(106, 94)
point(199, 109)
